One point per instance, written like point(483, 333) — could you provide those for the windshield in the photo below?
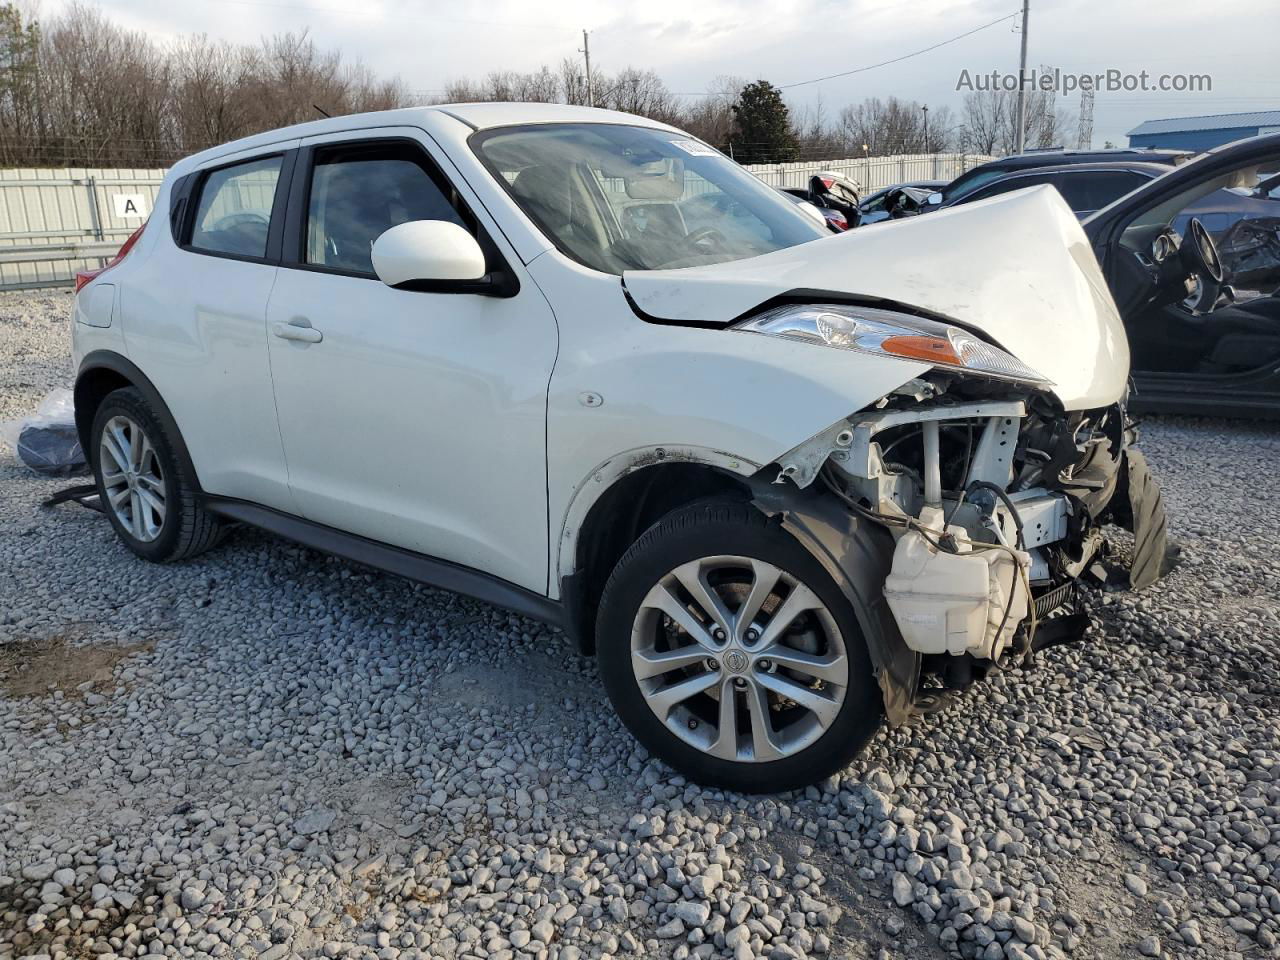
point(617, 197)
point(966, 183)
point(1246, 181)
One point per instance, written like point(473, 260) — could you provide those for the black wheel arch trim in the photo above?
point(110, 360)
point(857, 555)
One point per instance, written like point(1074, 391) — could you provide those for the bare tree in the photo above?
point(885, 127)
point(540, 86)
point(710, 117)
point(573, 81)
point(989, 120)
point(78, 89)
point(20, 113)
point(984, 123)
point(81, 90)
point(641, 92)
point(208, 105)
point(818, 140)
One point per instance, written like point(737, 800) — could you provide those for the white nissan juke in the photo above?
point(784, 485)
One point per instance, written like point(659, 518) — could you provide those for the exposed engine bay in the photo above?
point(997, 501)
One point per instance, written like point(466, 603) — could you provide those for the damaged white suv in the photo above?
point(783, 484)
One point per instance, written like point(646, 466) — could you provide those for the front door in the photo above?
point(414, 419)
point(1189, 351)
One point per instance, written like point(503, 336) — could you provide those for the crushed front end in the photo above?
point(997, 500)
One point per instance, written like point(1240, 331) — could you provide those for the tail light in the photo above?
point(83, 277)
point(837, 219)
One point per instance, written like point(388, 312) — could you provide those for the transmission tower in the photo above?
point(1084, 133)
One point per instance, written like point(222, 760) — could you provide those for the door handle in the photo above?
point(298, 329)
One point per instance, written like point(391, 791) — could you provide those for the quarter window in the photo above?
point(234, 212)
point(359, 192)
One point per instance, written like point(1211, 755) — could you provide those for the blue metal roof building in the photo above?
point(1204, 133)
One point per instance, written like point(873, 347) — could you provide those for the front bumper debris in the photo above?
point(1140, 508)
point(996, 509)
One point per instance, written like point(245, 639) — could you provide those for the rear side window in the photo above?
point(1095, 190)
point(357, 193)
point(1013, 183)
point(234, 212)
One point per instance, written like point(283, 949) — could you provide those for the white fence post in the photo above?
point(95, 212)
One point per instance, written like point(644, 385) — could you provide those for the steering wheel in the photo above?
point(706, 233)
point(1200, 257)
point(233, 220)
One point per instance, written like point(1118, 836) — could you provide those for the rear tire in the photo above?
point(150, 499)
point(701, 674)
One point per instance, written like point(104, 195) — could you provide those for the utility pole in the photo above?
point(586, 54)
point(925, 108)
point(1020, 140)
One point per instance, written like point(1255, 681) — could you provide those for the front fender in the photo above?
point(600, 480)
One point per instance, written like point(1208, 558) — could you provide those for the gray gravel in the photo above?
point(270, 753)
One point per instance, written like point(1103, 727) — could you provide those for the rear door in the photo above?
point(412, 418)
point(195, 318)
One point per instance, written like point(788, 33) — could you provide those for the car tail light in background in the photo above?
point(85, 276)
point(836, 219)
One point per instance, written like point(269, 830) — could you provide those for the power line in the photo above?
point(905, 56)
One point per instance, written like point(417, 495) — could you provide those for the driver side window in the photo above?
point(360, 190)
point(234, 211)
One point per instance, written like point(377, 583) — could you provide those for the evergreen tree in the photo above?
point(762, 126)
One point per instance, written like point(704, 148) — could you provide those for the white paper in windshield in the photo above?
point(694, 148)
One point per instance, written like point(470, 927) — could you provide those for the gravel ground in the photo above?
point(270, 753)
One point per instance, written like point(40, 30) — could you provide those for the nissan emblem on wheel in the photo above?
point(581, 365)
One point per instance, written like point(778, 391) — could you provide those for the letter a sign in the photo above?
point(129, 206)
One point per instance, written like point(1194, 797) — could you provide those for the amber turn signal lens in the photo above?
point(928, 349)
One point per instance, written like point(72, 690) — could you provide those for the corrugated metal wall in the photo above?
point(60, 208)
point(79, 211)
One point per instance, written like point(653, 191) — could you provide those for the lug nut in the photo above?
point(712, 664)
point(718, 633)
point(740, 683)
point(765, 665)
point(752, 636)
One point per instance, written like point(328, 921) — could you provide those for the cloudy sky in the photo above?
point(784, 41)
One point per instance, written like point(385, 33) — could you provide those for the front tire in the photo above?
point(149, 498)
point(732, 655)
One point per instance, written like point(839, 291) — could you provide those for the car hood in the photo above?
point(1016, 268)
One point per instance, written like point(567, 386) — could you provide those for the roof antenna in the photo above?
point(321, 112)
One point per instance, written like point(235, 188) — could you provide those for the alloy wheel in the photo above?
point(132, 479)
point(738, 658)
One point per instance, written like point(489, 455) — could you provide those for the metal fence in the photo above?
point(870, 173)
point(55, 222)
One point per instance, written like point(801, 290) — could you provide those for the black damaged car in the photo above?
point(1193, 262)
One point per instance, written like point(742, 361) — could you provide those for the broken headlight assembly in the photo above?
point(887, 333)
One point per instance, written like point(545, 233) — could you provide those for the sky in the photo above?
point(690, 44)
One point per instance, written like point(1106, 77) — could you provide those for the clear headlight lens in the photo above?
point(886, 333)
